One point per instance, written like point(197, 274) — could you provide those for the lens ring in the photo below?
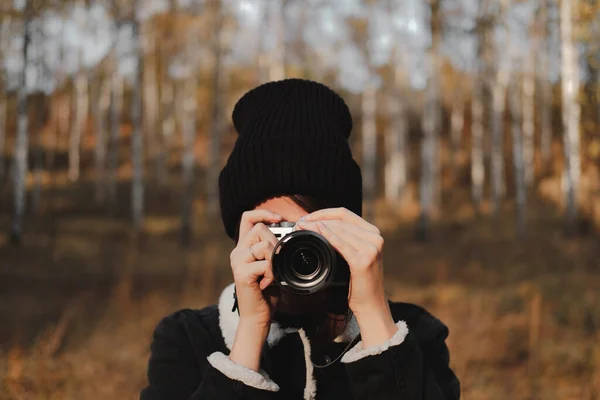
point(304, 283)
point(305, 263)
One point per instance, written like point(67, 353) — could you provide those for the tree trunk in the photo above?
point(396, 174)
point(477, 164)
point(262, 56)
point(570, 111)
point(64, 118)
point(137, 142)
point(168, 128)
point(499, 103)
point(529, 114)
point(369, 147)
point(2, 133)
point(277, 58)
point(21, 145)
point(81, 107)
point(189, 159)
point(167, 106)
point(545, 86)
point(431, 124)
point(150, 93)
point(499, 87)
point(457, 124)
point(217, 117)
point(518, 156)
point(116, 107)
point(4, 41)
point(38, 154)
point(99, 107)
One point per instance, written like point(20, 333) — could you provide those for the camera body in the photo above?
point(304, 262)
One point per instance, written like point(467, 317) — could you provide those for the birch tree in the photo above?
point(262, 32)
point(545, 84)
point(81, 102)
point(396, 174)
point(219, 77)
point(167, 100)
point(39, 116)
point(189, 159)
point(368, 120)
point(21, 145)
point(477, 129)
point(369, 145)
point(137, 142)
point(518, 156)
point(117, 86)
point(116, 107)
point(499, 87)
point(457, 124)
point(100, 105)
point(431, 124)
point(478, 103)
point(151, 95)
point(529, 110)
point(277, 26)
point(570, 110)
point(5, 29)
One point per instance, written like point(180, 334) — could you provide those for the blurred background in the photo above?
point(477, 125)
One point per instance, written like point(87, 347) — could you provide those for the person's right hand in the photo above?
point(251, 266)
point(252, 273)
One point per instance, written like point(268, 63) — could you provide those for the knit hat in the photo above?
point(292, 140)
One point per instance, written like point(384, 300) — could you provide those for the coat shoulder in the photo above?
point(198, 326)
point(421, 322)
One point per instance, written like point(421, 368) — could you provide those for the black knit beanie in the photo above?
point(292, 140)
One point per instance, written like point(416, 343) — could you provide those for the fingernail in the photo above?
point(277, 216)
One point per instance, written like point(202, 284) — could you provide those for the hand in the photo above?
point(252, 273)
point(361, 244)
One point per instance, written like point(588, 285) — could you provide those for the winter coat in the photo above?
point(189, 361)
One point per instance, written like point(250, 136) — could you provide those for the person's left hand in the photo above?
point(361, 245)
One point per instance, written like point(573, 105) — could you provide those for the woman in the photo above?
point(292, 162)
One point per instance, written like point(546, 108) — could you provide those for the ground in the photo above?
point(80, 296)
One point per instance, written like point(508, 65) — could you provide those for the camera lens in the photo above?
point(305, 263)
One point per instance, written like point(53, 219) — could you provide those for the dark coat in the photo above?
point(189, 348)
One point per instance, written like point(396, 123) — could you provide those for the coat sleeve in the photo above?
point(180, 369)
point(403, 368)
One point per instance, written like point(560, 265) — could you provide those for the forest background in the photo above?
point(477, 126)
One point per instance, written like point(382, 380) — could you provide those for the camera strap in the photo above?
point(235, 302)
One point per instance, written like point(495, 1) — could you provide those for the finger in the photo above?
point(341, 227)
point(252, 217)
point(259, 232)
point(249, 274)
point(356, 239)
point(343, 214)
point(262, 251)
point(342, 246)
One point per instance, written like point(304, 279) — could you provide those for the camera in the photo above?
point(304, 262)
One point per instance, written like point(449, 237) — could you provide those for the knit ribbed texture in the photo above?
point(292, 139)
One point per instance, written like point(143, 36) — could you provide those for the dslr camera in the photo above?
point(304, 262)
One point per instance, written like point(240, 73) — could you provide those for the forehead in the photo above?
point(283, 206)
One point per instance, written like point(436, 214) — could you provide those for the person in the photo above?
point(292, 162)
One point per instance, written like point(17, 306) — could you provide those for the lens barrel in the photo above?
point(304, 262)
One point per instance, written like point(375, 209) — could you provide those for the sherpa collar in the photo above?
point(229, 320)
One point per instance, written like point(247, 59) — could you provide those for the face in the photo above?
point(288, 303)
